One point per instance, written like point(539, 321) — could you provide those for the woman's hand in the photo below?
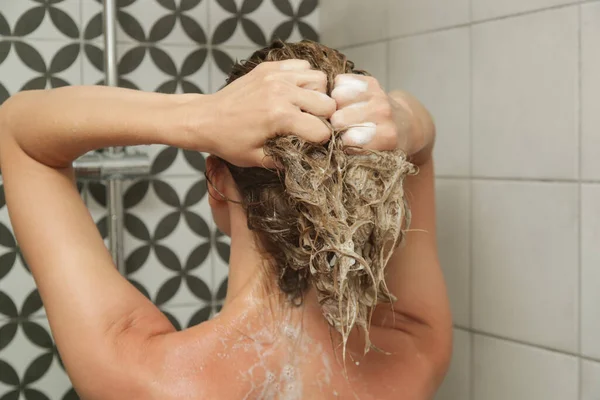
point(275, 98)
point(378, 121)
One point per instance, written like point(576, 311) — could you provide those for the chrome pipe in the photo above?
point(96, 166)
point(115, 187)
point(110, 42)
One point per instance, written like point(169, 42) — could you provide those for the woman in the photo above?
point(271, 339)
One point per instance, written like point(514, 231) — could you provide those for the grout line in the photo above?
point(526, 343)
point(472, 23)
point(517, 179)
point(470, 215)
point(81, 42)
point(580, 194)
point(388, 67)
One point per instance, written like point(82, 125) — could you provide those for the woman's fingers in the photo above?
point(313, 102)
point(307, 126)
point(355, 113)
point(311, 79)
point(352, 88)
point(285, 65)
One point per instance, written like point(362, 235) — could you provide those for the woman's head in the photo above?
point(329, 218)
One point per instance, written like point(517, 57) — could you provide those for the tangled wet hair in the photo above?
point(329, 218)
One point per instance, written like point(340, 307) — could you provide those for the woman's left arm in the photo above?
point(102, 325)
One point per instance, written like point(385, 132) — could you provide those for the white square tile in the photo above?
point(435, 68)
point(590, 271)
point(525, 96)
point(524, 255)
point(453, 208)
point(485, 9)
point(505, 370)
point(371, 58)
point(590, 146)
point(410, 16)
point(352, 22)
point(590, 380)
point(457, 384)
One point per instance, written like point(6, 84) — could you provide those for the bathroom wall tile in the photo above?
point(435, 68)
point(249, 23)
point(372, 58)
point(188, 316)
point(453, 207)
point(171, 161)
point(486, 9)
point(57, 20)
point(164, 22)
point(36, 64)
point(31, 361)
point(92, 28)
point(590, 270)
point(164, 69)
point(409, 16)
point(590, 380)
point(506, 370)
point(525, 96)
point(524, 255)
point(221, 248)
point(168, 240)
point(590, 146)
point(18, 294)
point(353, 22)
point(92, 60)
point(457, 384)
point(220, 62)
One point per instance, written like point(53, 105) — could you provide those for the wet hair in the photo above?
point(328, 218)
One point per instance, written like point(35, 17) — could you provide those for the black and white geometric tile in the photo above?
point(174, 253)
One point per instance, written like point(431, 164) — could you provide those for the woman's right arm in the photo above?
point(56, 126)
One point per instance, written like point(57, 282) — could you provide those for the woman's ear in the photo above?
point(214, 181)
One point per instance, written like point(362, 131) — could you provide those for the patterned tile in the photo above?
point(220, 259)
point(164, 21)
point(92, 60)
point(181, 69)
point(249, 23)
point(29, 361)
point(221, 60)
point(35, 64)
point(18, 294)
point(91, 20)
point(188, 316)
point(174, 253)
point(58, 19)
